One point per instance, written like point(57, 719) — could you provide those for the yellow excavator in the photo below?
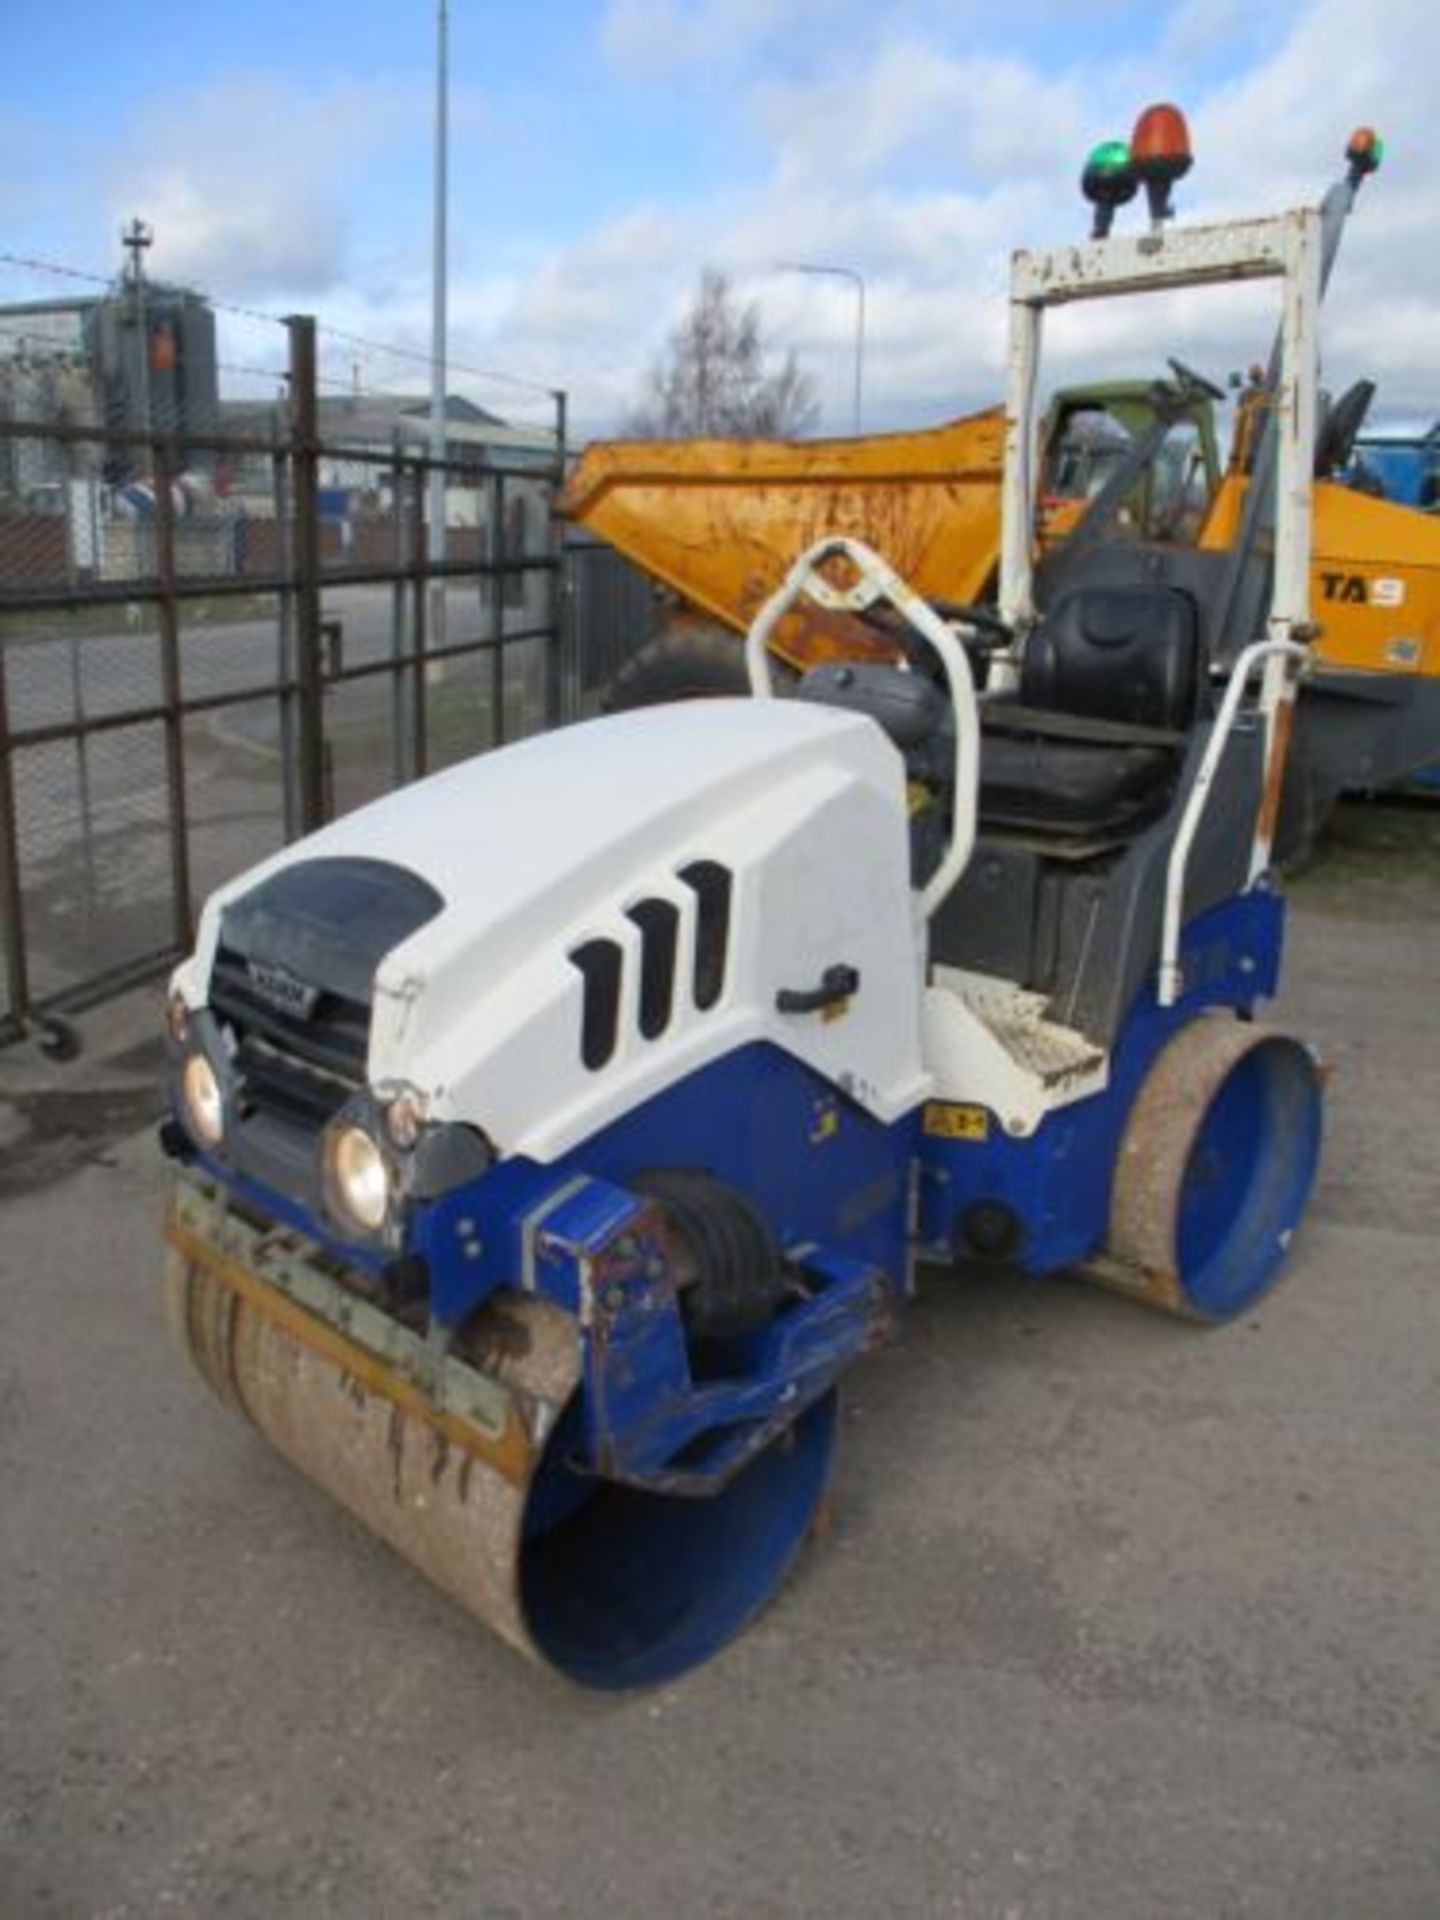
point(1130, 484)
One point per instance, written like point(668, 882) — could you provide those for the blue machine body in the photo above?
point(1058, 1181)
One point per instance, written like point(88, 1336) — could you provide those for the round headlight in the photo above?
point(204, 1102)
point(359, 1179)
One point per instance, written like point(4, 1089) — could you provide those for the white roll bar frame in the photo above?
point(877, 580)
point(1277, 693)
point(1287, 247)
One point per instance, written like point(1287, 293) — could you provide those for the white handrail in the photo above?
point(877, 580)
point(1171, 982)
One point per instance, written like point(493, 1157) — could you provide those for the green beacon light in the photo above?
point(1109, 180)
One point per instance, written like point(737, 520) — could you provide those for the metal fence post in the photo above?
point(500, 602)
point(305, 467)
point(402, 690)
point(12, 899)
point(556, 675)
point(76, 664)
point(285, 676)
point(169, 616)
point(419, 609)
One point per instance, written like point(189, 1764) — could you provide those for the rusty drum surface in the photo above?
point(483, 1489)
point(1216, 1163)
point(450, 1498)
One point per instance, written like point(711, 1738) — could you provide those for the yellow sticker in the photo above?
point(947, 1120)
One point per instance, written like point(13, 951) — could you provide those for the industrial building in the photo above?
point(138, 357)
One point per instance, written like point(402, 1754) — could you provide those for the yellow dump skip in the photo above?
point(721, 521)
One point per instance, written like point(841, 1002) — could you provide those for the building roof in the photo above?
point(370, 419)
point(157, 293)
point(71, 303)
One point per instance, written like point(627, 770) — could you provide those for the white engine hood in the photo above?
point(545, 844)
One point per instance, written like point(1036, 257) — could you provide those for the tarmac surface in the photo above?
point(1114, 1618)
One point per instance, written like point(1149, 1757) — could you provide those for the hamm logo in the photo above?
point(281, 989)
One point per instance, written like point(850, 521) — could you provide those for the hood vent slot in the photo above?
point(711, 884)
point(659, 924)
point(599, 963)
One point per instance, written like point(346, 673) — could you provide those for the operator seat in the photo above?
point(1111, 682)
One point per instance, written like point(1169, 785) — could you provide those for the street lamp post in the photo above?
point(435, 547)
point(858, 282)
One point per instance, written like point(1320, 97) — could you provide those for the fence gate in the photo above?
point(211, 641)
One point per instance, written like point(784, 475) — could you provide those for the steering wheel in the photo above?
point(1191, 381)
point(989, 630)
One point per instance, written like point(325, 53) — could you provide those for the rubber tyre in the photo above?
point(737, 1285)
point(1305, 809)
point(691, 660)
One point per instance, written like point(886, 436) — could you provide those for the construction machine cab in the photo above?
point(1136, 458)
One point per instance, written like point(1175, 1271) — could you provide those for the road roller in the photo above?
point(551, 1136)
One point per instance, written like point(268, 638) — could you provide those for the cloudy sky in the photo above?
point(604, 151)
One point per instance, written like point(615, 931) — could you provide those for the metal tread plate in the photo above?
point(1016, 1017)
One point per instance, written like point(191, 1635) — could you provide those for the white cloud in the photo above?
point(250, 184)
point(972, 117)
point(649, 38)
point(1209, 29)
point(605, 287)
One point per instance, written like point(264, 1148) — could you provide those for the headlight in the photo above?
point(357, 1178)
point(204, 1102)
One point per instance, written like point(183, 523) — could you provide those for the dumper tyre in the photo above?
point(1305, 809)
point(689, 660)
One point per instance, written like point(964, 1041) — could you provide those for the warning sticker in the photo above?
point(948, 1120)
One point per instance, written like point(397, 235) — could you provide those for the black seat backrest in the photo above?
point(1128, 653)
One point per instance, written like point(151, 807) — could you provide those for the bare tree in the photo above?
point(712, 376)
